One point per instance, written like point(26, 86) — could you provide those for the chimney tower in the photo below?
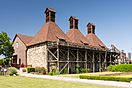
point(91, 28)
point(73, 22)
point(50, 15)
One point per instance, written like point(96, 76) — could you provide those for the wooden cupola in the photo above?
point(73, 22)
point(91, 28)
point(50, 14)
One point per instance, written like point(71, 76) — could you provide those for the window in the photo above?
point(17, 45)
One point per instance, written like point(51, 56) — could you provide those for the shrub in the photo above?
point(30, 69)
point(23, 70)
point(120, 68)
point(7, 61)
point(0, 66)
point(12, 71)
point(53, 72)
point(77, 69)
point(40, 70)
point(109, 78)
point(2, 62)
point(84, 70)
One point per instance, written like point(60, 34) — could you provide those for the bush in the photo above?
point(30, 69)
point(77, 69)
point(23, 70)
point(120, 68)
point(7, 61)
point(0, 66)
point(40, 70)
point(109, 78)
point(12, 71)
point(84, 70)
point(53, 72)
point(4, 61)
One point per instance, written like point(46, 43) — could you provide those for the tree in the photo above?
point(6, 48)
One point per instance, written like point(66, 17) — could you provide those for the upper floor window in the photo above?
point(17, 45)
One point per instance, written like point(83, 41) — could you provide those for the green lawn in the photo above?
point(24, 82)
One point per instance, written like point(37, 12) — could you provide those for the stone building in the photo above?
point(53, 49)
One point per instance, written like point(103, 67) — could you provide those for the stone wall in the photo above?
point(37, 56)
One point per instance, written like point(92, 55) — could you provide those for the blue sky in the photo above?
point(113, 18)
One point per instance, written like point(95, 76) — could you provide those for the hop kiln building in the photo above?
point(53, 49)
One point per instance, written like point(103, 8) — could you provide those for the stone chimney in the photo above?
point(91, 28)
point(50, 14)
point(73, 22)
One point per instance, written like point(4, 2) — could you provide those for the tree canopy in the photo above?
point(6, 48)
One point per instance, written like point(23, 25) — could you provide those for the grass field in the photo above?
point(24, 82)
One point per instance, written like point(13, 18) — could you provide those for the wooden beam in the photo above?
point(81, 55)
point(72, 61)
point(68, 59)
point(52, 54)
point(77, 55)
point(100, 62)
point(110, 58)
point(93, 63)
point(64, 67)
point(105, 59)
point(73, 55)
point(90, 56)
point(86, 59)
point(58, 54)
point(63, 53)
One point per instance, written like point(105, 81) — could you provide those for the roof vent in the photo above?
point(50, 14)
point(73, 22)
point(91, 28)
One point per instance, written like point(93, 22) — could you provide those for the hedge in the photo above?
point(108, 78)
point(30, 69)
point(120, 68)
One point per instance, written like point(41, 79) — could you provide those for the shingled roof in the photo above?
point(49, 32)
point(93, 40)
point(24, 38)
point(74, 34)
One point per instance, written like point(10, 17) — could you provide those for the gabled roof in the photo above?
point(94, 41)
point(76, 36)
point(24, 38)
point(49, 32)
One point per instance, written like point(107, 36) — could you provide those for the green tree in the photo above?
point(6, 48)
